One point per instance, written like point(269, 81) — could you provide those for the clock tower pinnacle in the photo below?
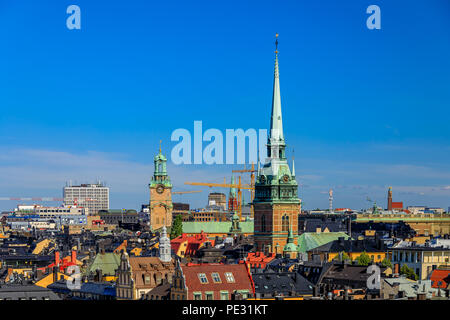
point(160, 194)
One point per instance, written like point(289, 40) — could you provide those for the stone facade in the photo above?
point(276, 203)
point(160, 195)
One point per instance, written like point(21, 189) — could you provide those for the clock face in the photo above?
point(160, 189)
point(285, 178)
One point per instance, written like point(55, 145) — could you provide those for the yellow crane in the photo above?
point(184, 192)
point(252, 183)
point(239, 186)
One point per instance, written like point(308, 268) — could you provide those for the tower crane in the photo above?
point(252, 183)
point(184, 192)
point(239, 186)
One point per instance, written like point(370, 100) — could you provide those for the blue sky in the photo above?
point(363, 109)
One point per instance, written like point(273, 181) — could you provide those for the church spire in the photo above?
point(165, 250)
point(276, 121)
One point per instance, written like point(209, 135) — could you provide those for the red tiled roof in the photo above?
point(259, 259)
point(442, 276)
point(193, 242)
point(397, 205)
point(241, 275)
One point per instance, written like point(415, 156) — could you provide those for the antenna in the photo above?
point(330, 199)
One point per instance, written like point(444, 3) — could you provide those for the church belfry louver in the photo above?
point(276, 203)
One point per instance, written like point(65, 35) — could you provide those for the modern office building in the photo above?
point(95, 197)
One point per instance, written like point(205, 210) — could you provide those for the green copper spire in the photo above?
point(290, 245)
point(160, 173)
point(276, 121)
point(232, 189)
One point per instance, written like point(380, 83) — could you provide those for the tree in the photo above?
point(364, 259)
point(386, 263)
point(177, 227)
point(408, 272)
point(342, 256)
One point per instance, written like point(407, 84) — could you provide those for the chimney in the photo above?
point(421, 296)
point(73, 257)
point(396, 270)
point(57, 258)
point(55, 273)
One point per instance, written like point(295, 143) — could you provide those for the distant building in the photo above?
point(95, 197)
point(26, 292)
point(353, 248)
point(423, 259)
point(185, 245)
point(425, 209)
point(219, 229)
point(138, 275)
point(281, 285)
point(217, 199)
point(117, 216)
point(161, 206)
point(393, 206)
point(440, 278)
point(258, 260)
point(49, 212)
point(209, 214)
point(211, 281)
point(402, 288)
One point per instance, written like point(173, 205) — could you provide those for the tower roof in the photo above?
point(276, 121)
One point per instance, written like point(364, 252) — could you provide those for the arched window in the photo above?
point(263, 223)
point(285, 223)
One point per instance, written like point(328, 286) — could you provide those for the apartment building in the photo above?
point(95, 197)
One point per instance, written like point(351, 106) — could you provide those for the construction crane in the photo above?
point(252, 183)
point(239, 186)
point(184, 192)
point(43, 199)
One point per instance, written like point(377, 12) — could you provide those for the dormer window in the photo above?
point(216, 277)
point(202, 277)
point(229, 277)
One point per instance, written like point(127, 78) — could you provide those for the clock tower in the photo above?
point(160, 194)
point(276, 204)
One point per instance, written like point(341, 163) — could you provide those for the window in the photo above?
point(224, 295)
point(285, 223)
point(229, 276)
point(216, 278)
point(209, 295)
point(263, 223)
point(197, 296)
point(202, 278)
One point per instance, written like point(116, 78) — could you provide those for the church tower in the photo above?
point(165, 250)
point(160, 194)
point(276, 203)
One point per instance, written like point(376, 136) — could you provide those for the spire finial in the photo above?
point(276, 42)
point(160, 141)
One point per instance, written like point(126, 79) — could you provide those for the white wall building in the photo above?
point(95, 197)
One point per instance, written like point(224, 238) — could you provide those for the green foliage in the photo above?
point(364, 259)
point(177, 227)
point(386, 263)
point(408, 272)
point(342, 256)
